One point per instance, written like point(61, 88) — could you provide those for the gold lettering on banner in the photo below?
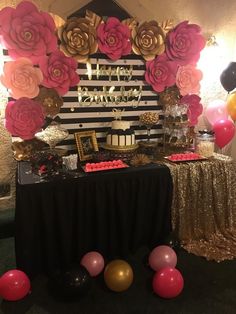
point(104, 70)
point(112, 94)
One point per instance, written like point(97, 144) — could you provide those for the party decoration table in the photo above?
point(112, 212)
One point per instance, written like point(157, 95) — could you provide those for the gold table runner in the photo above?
point(204, 206)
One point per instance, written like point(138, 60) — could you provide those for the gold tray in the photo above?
point(120, 148)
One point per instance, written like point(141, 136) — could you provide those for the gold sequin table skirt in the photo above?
point(204, 206)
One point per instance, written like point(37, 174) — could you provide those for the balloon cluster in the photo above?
point(14, 285)
point(217, 114)
point(167, 281)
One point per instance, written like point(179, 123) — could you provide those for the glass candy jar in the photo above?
point(205, 143)
point(52, 135)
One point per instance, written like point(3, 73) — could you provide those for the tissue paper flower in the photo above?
point(59, 72)
point(195, 108)
point(160, 73)
point(184, 43)
point(21, 78)
point(78, 39)
point(27, 32)
point(188, 80)
point(24, 118)
point(148, 40)
point(114, 38)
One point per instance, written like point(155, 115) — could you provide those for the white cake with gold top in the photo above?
point(120, 134)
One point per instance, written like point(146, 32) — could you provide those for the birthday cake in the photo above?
point(120, 134)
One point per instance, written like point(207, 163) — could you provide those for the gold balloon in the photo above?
point(231, 106)
point(118, 275)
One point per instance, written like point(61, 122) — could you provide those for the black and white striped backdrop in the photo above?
point(84, 115)
point(97, 116)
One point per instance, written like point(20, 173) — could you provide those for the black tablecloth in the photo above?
point(113, 212)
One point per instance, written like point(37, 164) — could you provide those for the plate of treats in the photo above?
point(185, 157)
point(104, 165)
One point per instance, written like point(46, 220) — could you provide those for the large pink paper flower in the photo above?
point(59, 72)
point(188, 80)
point(21, 78)
point(24, 117)
point(26, 32)
point(195, 108)
point(160, 73)
point(114, 38)
point(184, 43)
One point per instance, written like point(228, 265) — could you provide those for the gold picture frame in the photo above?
point(86, 143)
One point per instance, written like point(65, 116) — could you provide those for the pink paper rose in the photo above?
point(184, 43)
point(160, 73)
point(21, 78)
point(27, 32)
point(114, 38)
point(195, 108)
point(24, 117)
point(187, 80)
point(59, 72)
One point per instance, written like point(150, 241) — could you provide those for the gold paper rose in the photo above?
point(170, 96)
point(50, 101)
point(78, 38)
point(148, 40)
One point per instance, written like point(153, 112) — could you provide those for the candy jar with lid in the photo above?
point(205, 143)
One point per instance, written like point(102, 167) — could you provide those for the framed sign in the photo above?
point(87, 145)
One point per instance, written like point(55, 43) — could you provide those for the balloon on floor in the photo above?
point(118, 275)
point(168, 282)
point(14, 285)
point(162, 256)
point(93, 262)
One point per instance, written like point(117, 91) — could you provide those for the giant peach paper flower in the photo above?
point(27, 32)
point(78, 39)
point(24, 118)
point(160, 73)
point(148, 40)
point(21, 78)
point(188, 79)
point(114, 38)
point(59, 72)
point(184, 43)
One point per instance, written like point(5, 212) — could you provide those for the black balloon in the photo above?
point(172, 241)
point(73, 282)
point(228, 77)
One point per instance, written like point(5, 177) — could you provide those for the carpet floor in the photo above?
point(210, 287)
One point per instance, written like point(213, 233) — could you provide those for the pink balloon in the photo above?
point(216, 110)
point(168, 283)
point(14, 285)
point(224, 132)
point(162, 256)
point(93, 262)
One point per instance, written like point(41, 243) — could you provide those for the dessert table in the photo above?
point(113, 212)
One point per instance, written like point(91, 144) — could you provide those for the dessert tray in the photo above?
point(104, 165)
point(185, 157)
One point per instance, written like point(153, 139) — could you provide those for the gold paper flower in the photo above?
point(78, 38)
point(170, 96)
point(139, 160)
point(50, 101)
point(148, 40)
